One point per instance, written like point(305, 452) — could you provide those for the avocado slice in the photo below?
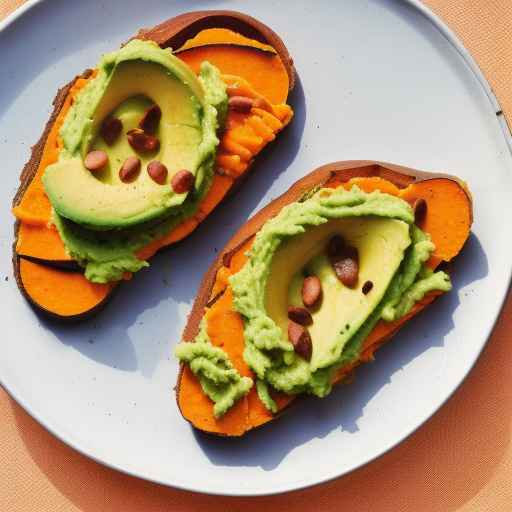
point(381, 244)
point(128, 81)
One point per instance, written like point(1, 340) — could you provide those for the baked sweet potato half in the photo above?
point(236, 362)
point(258, 75)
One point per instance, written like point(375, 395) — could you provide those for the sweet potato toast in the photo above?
point(254, 63)
point(446, 216)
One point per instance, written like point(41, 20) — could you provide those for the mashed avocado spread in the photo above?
point(105, 213)
point(219, 380)
point(392, 252)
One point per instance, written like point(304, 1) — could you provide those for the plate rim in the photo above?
point(463, 52)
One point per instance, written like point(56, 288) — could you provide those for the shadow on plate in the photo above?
point(146, 316)
point(311, 418)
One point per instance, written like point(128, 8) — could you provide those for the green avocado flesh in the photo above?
point(392, 253)
point(102, 220)
point(381, 243)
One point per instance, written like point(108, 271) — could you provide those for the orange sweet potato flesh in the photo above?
point(33, 210)
point(242, 57)
point(244, 138)
point(41, 243)
point(223, 36)
point(65, 298)
point(444, 196)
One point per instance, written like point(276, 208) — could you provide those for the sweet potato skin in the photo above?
point(333, 174)
point(171, 33)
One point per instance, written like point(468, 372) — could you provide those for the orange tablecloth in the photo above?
point(461, 460)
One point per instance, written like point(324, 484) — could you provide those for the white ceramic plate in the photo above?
point(377, 81)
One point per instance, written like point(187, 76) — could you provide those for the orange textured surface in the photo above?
point(75, 294)
point(461, 460)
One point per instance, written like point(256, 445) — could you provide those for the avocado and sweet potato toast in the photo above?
point(138, 151)
point(312, 285)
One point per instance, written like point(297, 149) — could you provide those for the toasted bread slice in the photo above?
point(254, 63)
point(447, 220)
